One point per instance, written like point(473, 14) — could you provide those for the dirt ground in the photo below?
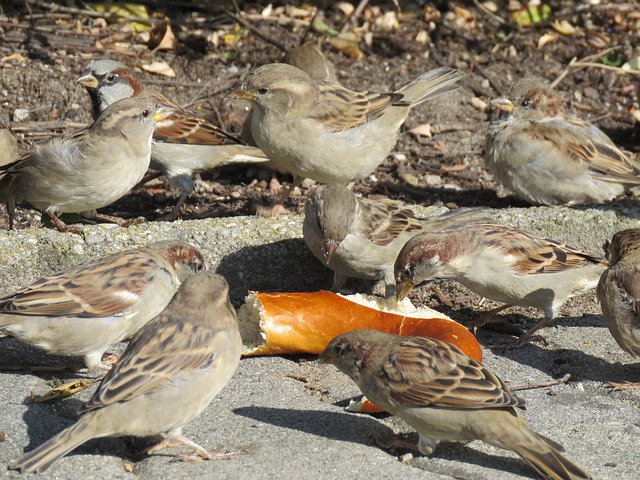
point(45, 47)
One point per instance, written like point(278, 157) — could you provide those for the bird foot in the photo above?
point(199, 451)
point(523, 340)
point(623, 386)
point(121, 222)
point(395, 442)
point(63, 227)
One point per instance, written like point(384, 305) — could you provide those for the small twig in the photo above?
point(256, 31)
point(488, 12)
point(585, 63)
point(296, 22)
point(527, 386)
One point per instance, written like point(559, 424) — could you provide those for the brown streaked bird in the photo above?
point(548, 157)
point(183, 144)
point(619, 293)
point(84, 310)
point(169, 374)
point(503, 264)
point(86, 171)
point(361, 238)
point(444, 395)
point(326, 132)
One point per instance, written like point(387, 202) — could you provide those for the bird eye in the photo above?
point(110, 78)
point(145, 113)
point(263, 91)
point(526, 103)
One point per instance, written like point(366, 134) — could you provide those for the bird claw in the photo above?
point(622, 386)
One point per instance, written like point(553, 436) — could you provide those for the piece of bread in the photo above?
point(305, 322)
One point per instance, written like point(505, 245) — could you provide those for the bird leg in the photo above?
point(201, 453)
point(278, 207)
point(425, 446)
point(622, 386)
point(121, 222)
point(528, 337)
point(175, 212)
point(63, 227)
point(487, 317)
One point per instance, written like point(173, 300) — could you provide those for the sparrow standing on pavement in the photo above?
point(503, 264)
point(361, 238)
point(87, 308)
point(444, 395)
point(183, 144)
point(168, 375)
point(548, 157)
point(323, 131)
point(86, 171)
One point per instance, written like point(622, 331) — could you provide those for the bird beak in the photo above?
point(240, 94)
point(326, 356)
point(162, 114)
point(88, 81)
point(330, 247)
point(403, 289)
point(503, 104)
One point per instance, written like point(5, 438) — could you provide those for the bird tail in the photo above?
point(42, 457)
point(455, 219)
point(430, 84)
point(543, 454)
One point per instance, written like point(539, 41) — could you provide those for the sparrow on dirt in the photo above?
point(183, 144)
point(324, 131)
point(168, 375)
point(87, 171)
point(503, 264)
point(445, 395)
point(548, 157)
point(84, 310)
point(361, 238)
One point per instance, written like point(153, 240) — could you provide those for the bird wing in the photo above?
point(182, 127)
point(425, 372)
point(585, 143)
point(532, 255)
point(340, 109)
point(171, 349)
point(102, 288)
point(385, 221)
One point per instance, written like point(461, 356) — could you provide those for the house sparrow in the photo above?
point(361, 238)
point(547, 157)
point(89, 307)
point(444, 395)
point(619, 290)
point(168, 375)
point(323, 131)
point(8, 144)
point(87, 171)
point(183, 144)
point(503, 264)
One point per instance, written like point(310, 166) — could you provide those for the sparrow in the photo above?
point(361, 238)
point(87, 171)
point(170, 372)
point(183, 144)
point(619, 290)
point(445, 395)
point(8, 144)
point(548, 157)
point(503, 264)
point(326, 132)
point(82, 311)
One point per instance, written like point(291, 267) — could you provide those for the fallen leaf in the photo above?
point(161, 37)
point(159, 68)
point(348, 44)
point(564, 27)
point(633, 64)
point(423, 130)
point(547, 38)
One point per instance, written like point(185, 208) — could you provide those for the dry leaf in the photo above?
point(547, 38)
point(346, 8)
point(479, 104)
point(15, 57)
point(564, 27)
point(635, 113)
point(387, 22)
point(422, 37)
point(423, 130)
point(159, 68)
point(633, 64)
point(161, 37)
point(348, 44)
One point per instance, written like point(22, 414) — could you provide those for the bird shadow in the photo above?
point(282, 266)
point(362, 428)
